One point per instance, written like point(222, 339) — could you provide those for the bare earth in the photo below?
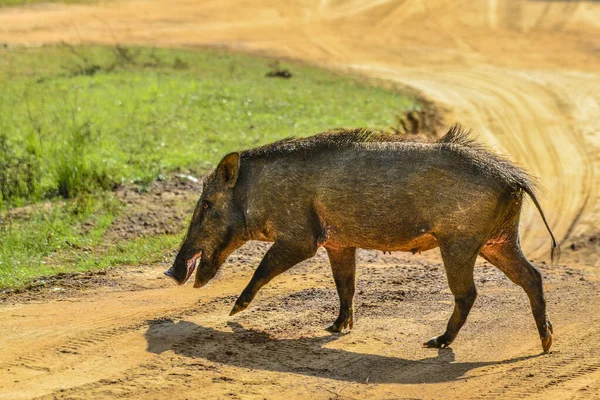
point(523, 74)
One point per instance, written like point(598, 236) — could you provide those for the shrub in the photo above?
point(76, 173)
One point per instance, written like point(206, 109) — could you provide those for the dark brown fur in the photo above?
point(350, 189)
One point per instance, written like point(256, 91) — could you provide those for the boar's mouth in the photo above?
point(190, 267)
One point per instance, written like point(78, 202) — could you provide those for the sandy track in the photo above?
point(144, 338)
point(523, 74)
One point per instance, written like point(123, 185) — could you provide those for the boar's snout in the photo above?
point(172, 273)
point(181, 270)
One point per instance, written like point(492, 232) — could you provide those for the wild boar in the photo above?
point(350, 189)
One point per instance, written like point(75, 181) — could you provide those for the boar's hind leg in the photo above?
point(343, 266)
point(280, 257)
point(507, 256)
point(459, 260)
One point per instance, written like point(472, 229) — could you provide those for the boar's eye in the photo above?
point(205, 205)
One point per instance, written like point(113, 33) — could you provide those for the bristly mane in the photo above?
point(456, 140)
point(459, 135)
point(337, 138)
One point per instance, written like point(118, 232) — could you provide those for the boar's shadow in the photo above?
point(253, 349)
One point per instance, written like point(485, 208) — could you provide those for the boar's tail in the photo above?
point(555, 252)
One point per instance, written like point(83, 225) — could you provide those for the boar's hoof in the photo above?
point(546, 342)
point(333, 328)
point(339, 325)
point(438, 342)
point(238, 307)
point(546, 335)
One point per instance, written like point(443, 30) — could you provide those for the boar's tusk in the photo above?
point(191, 266)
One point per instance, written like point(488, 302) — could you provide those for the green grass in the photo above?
point(136, 251)
point(76, 121)
point(9, 3)
point(29, 238)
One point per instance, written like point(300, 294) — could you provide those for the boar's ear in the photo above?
point(228, 169)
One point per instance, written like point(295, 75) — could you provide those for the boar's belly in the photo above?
point(414, 245)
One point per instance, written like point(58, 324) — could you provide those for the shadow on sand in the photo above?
point(306, 356)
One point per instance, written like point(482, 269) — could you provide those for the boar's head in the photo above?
point(216, 229)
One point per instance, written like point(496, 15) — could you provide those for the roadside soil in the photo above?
point(523, 75)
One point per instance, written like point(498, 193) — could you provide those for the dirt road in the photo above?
point(523, 74)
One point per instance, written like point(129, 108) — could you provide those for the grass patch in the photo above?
point(97, 116)
point(136, 251)
point(30, 236)
point(76, 121)
point(12, 3)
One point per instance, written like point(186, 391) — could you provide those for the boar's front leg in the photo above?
point(282, 256)
point(343, 266)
